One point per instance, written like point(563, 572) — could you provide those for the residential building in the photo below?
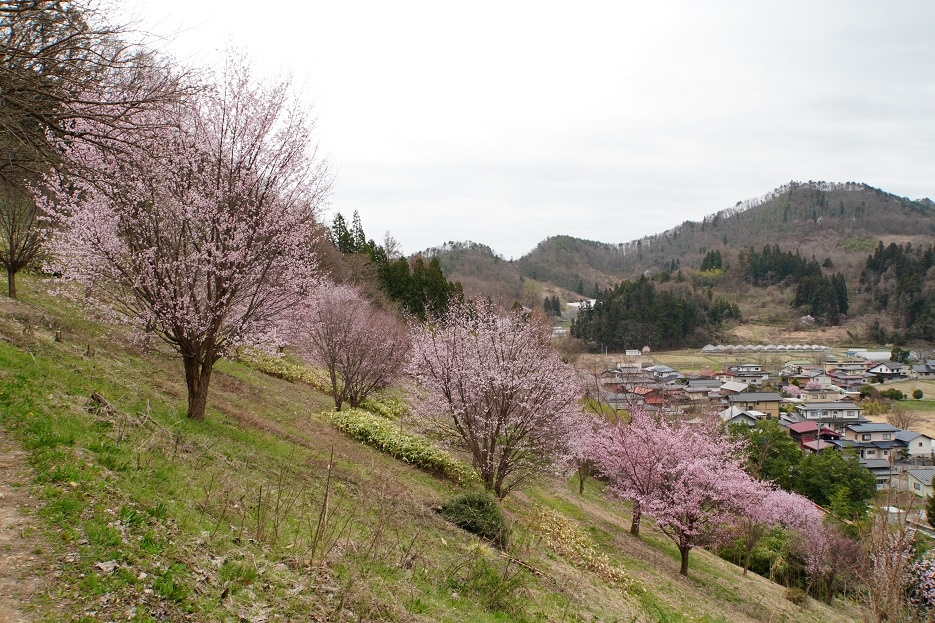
point(918, 445)
point(747, 373)
point(882, 470)
point(803, 432)
point(733, 387)
point(874, 441)
point(736, 415)
point(827, 393)
point(766, 402)
point(835, 415)
point(890, 370)
point(924, 370)
point(920, 480)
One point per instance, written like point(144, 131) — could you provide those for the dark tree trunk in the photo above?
point(11, 282)
point(197, 378)
point(336, 393)
point(635, 523)
point(584, 472)
point(684, 552)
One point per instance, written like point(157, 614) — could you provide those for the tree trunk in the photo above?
point(684, 552)
point(11, 282)
point(197, 377)
point(635, 523)
point(584, 470)
point(335, 392)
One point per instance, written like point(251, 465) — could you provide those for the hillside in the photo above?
point(838, 224)
point(125, 509)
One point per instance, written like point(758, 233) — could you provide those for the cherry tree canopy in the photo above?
point(494, 386)
point(200, 228)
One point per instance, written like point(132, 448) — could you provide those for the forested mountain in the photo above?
point(808, 242)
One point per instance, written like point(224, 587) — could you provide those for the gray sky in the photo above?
point(507, 122)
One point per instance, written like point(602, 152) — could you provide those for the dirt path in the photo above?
point(22, 567)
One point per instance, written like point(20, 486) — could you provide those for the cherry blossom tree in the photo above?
point(704, 485)
point(581, 445)
point(362, 347)
point(687, 477)
point(829, 554)
point(923, 595)
point(70, 71)
point(632, 454)
point(898, 581)
point(492, 385)
point(199, 228)
point(775, 507)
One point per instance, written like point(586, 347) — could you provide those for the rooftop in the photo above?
point(923, 474)
point(873, 427)
point(755, 396)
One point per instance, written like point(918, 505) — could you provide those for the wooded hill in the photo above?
point(839, 225)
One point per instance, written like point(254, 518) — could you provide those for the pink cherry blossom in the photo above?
point(492, 385)
point(199, 226)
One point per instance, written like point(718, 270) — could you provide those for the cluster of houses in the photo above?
point(821, 412)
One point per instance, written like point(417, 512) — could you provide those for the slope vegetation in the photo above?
point(266, 512)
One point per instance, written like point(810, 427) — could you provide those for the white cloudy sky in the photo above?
point(507, 122)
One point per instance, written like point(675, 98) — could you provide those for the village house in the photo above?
point(733, 387)
point(747, 373)
point(664, 374)
point(736, 415)
point(889, 370)
point(835, 415)
point(920, 480)
point(765, 402)
point(924, 370)
point(918, 445)
point(826, 393)
point(703, 389)
point(883, 470)
point(804, 432)
point(874, 440)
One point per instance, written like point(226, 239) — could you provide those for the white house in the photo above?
point(835, 415)
point(918, 445)
point(920, 480)
point(736, 415)
point(889, 370)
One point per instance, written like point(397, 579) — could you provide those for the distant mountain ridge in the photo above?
point(839, 221)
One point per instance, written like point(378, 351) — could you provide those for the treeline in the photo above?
point(773, 266)
point(420, 287)
point(824, 297)
point(821, 296)
point(897, 279)
point(634, 313)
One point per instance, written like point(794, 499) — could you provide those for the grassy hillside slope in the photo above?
point(265, 512)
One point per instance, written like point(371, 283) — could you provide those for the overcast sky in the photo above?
point(508, 122)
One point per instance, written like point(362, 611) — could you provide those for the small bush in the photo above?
point(280, 368)
point(390, 407)
point(917, 394)
point(499, 586)
point(566, 538)
point(874, 407)
point(388, 437)
point(797, 596)
point(893, 394)
point(478, 513)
